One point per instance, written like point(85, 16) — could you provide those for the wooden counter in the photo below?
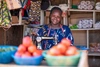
point(82, 63)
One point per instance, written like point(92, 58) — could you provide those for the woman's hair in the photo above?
point(53, 10)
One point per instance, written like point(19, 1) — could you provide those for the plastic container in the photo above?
point(82, 47)
point(6, 52)
point(62, 60)
point(28, 60)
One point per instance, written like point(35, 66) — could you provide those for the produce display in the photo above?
point(27, 48)
point(62, 54)
point(27, 53)
point(5, 53)
point(2, 49)
point(74, 26)
point(63, 49)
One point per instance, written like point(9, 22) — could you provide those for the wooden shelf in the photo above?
point(94, 54)
point(86, 29)
point(84, 10)
point(81, 10)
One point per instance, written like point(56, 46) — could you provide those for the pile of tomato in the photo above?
point(27, 48)
point(63, 48)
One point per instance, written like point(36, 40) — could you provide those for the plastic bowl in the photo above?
point(28, 60)
point(62, 60)
point(6, 52)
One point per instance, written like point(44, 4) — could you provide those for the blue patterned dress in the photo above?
point(62, 32)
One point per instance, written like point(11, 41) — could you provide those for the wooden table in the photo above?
point(82, 63)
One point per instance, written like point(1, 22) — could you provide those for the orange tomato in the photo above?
point(72, 50)
point(27, 41)
point(66, 42)
point(32, 48)
point(21, 48)
point(54, 51)
point(26, 54)
point(62, 48)
point(37, 52)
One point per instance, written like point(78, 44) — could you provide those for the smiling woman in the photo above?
point(54, 29)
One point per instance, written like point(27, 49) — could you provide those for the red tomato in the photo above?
point(21, 48)
point(32, 48)
point(71, 51)
point(27, 41)
point(62, 48)
point(37, 53)
point(66, 42)
point(19, 54)
point(54, 51)
point(26, 54)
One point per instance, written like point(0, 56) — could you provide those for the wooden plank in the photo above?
point(13, 35)
point(79, 37)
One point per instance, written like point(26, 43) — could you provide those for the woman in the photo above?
point(54, 28)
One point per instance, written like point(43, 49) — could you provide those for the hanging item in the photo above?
point(34, 11)
point(25, 7)
point(45, 4)
point(13, 4)
point(5, 16)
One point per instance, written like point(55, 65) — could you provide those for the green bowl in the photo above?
point(62, 60)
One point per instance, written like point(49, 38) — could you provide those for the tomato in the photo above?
point(37, 52)
point(54, 51)
point(66, 42)
point(26, 54)
point(27, 41)
point(21, 48)
point(19, 54)
point(62, 48)
point(72, 50)
point(32, 48)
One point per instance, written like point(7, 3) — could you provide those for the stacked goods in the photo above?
point(97, 25)
point(97, 7)
point(27, 53)
point(94, 47)
point(86, 5)
point(85, 23)
point(62, 54)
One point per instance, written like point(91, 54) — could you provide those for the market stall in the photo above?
point(82, 63)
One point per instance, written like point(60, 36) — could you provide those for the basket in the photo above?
point(6, 52)
point(62, 60)
point(28, 60)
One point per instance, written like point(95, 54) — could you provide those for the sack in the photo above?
point(13, 4)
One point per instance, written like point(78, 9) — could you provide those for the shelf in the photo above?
point(86, 29)
point(81, 10)
point(93, 54)
point(16, 24)
point(84, 10)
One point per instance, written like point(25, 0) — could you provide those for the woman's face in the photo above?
point(55, 17)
